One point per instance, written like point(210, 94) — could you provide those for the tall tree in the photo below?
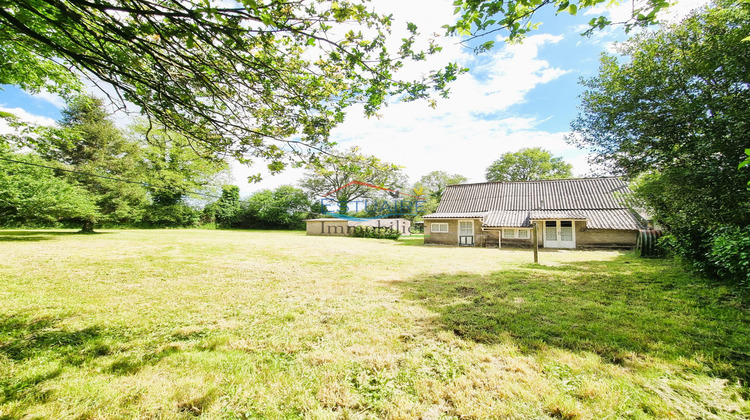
point(433, 184)
point(259, 79)
point(90, 144)
point(430, 189)
point(282, 208)
point(528, 164)
point(678, 109)
point(334, 176)
point(174, 172)
point(227, 208)
point(32, 194)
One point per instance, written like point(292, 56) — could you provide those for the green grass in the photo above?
point(179, 324)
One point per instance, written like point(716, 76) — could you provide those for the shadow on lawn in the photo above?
point(42, 348)
point(34, 235)
point(613, 308)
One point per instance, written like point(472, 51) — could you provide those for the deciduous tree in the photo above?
point(282, 208)
point(228, 206)
point(677, 108)
point(256, 78)
point(32, 194)
point(479, 18)
point(333, 176)
point(175, 175)
point(528, 164)
point(433, 184)
point(89, 143)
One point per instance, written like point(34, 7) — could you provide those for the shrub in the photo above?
point(729, 255)
point(376, 233)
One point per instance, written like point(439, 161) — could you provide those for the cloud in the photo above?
point(680, 9)
point(23, 116)
point(623, 12)
point(28, 117)
point(52, 98)
point(240, 174)
point(472, 128)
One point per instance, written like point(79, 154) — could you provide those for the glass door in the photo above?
point(559, 234)
point(466, 233)
point(550, 234)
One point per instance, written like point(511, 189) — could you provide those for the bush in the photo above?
point(729, 255)
point(174, 216)
point(376, 233)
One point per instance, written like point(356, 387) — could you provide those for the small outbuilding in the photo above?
point(345, 227)
point(567, 213)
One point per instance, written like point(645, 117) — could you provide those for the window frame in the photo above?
point(515, 233)
point(433, 225)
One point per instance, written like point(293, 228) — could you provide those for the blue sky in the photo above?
point(515, 96)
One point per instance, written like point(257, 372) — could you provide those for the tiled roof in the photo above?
point(515, 204)
point(510, 218)
point(454, 215)
point(613, 219)
point(555, 214)
point(564, 194)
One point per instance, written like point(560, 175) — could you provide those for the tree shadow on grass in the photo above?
point(39, 350)
point(613, 308)
point(35, 235)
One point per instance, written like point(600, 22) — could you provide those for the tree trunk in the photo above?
point(87, 227)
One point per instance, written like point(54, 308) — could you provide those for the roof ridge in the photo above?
point(538, 180)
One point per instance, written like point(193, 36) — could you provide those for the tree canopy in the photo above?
point(282, 208)
point(479, 18)
point(332, 176)
point(433, 184)
point(528, 164)
point(255, 79)
point(149, 177)
point(30, 193)
point(676, 112)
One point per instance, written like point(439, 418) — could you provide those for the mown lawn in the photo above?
point(247, 324)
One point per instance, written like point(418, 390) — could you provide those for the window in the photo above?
point(515, 234)
point(439, 227)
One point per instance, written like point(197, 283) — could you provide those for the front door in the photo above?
point(466, 232)
point(559, 234)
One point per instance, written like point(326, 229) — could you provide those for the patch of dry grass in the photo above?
point(247, 324)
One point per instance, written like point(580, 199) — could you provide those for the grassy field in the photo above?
point(245, 324)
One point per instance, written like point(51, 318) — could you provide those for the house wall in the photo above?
point(584, 237)
point(490, 238)
point(604, 237)
point(328, 228)
point(451, 237)
point(402, 225)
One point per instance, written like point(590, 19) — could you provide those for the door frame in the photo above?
point(458, 232)
point(558, 244)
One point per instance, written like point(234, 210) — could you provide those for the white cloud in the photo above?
point(241, 172)
point(680, 9)
point(23, 116)
point(467, 131)
point(472, 128)
point(623, 11)
point(52, 98)
point(28, 117)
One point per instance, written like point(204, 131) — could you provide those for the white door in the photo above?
point(559, 234)
point(466, 233)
